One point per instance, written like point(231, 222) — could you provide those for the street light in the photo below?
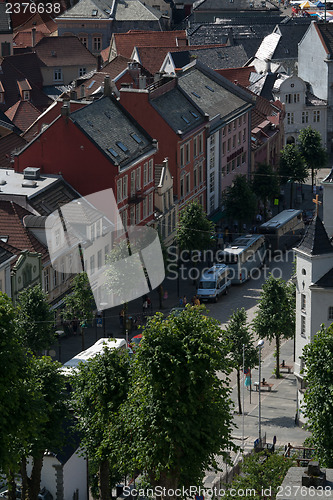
point(260, 346)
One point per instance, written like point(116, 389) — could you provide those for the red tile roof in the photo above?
point(23, 39)
point(105, 54)
point(125, 42)
point(23, 114)
point(19, 18)
point(42, 22)
point(239, 75)
point(11, 225)
point(9, 144)
point(63, 51)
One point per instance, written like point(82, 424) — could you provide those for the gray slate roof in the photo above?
point(5, 24)
point(291, 35)
point(264, 84)
point(215, 58)
point(225, 5)
point(212, 93)
point(176, 109)
point(47, 201)
point(315, 240)
point(325, 281)
point(4, 254)
point(107, 123)
point(120, 10)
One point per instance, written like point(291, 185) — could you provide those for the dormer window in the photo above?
point(26, 95)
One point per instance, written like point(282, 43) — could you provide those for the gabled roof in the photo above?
point(6, 252)
point(329, 177)
point(264, 84)
point(291, 35)
point(135, 10)
point(23, 114)
point(63, 51)
point(325, 281)
point(178, 111)
point(212, 93)
point(128, 140)
point(11, 225)
point(5, 24)
point(7, 123)
point(23, 39)
point(16, 68)
point(89, 9)
point(216, 57)
point(119, 10)
point(325, 32)
point(315, 240)
point(125, 42)
point(42, 22)
point(10, 144)
point(239, 76)
point(226, 5)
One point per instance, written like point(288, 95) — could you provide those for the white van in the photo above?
point(214, 282)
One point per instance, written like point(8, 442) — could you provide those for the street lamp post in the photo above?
point(260, 346)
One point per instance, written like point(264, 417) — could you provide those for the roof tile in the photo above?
point(23, 114)
point(63, 51)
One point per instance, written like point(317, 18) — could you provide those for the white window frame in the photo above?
point(57, 75)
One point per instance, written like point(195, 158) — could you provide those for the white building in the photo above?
point(302, 108)
point(314, 285)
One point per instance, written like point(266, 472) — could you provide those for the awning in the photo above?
point(217, 216)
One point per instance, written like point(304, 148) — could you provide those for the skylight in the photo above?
point(122, 146)
point(136, 138)
point(185, 119)
point(196, 95)
point(194, 114)
point(209, 88)
point(113, 152)
point(94, 12)
point(92, 83)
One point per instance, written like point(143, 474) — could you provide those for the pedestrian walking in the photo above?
point(145, 306)
point(149, 305)
point(196, 301)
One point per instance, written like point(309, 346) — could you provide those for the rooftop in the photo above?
point(125, 42)
point(315, 240)
point(63, 51)
point(23, 114)
point(5, 23)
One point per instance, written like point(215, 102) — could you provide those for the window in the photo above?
point(182, 187)
point(106, 252)
point(228, 167)
point(200, 173)
point(305, 117)
point(82, 71)
point(151, 203)
point(288, 98)
point(211, 182)
point(188, 183)
point(188, 153)
point(84, 41)
point(26, 95)
point(125, 183)
point(5, 49)
point(119, 190)
point(201, 143)
point(144, 208)
point(316, 116)
point(290, 118)
point(330, 312)
point(229, 128)
point(97, 43)
point(234, 141)
point(303, 301)
point(132, 216)
point(244, 135)
point(223, 131)
point(195, 177)
point(233, 165)
point(228, 145)
point(138, 178)
point(244, 118)
point(211, 203)
point(99, 259)
point(239, 138)
point(46, 280)
point(132, 182)
point(55, 278)
point(238, 159)
point(303, 326)
point(182, 156)
point(234, 124)
point(195, 147)
point(137, 214)
point(57, 75)
point(92, 264)
point(223, 148)
point(223, 171)
point(145, 174)
point(296, 97)
point(124, 218)
point(150, 171)
point(2, 97)
point(243, 157)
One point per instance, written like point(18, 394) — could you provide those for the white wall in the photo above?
point(328, 207)
point(75, 477)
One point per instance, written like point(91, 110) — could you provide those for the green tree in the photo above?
point(261, 472)
point(292, 167)
point(240, 201)
point(45, 412)
point(35, 319)
point(265, 184)
point(275, 317)
point(80, 303)
point(238, 334)
point(310, 146)
point(178, 411)
point(12, 368)
point(194, 230)
point(318, 397)
point(104, 380)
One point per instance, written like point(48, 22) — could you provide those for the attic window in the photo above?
point(136, 138)
point(185, 119)
point(209, 88)
point(196, 95)
point(91, 84)
point(194, 115)
point(122, 146)
point(94, 12)
point(113, 152)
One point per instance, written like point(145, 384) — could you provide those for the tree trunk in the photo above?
point(168, 480)
point(24, 478)
point(277, 369)
point(82, 338)
point(239, 393)
point(104, 481)
point(34, 480)
point(11, 486)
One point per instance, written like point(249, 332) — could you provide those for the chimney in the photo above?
point(33, 37)
point(65, 110)
point(142, 82)
point(107, 86)
point(82, 91)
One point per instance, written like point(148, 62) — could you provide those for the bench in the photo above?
point(263, 386)
point(288, 368)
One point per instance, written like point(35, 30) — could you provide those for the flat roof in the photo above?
point(281, 218)
point(240, 244)
point(11, 183)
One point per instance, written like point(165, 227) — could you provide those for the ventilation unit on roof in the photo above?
point(31, 173)
point(30, 184)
